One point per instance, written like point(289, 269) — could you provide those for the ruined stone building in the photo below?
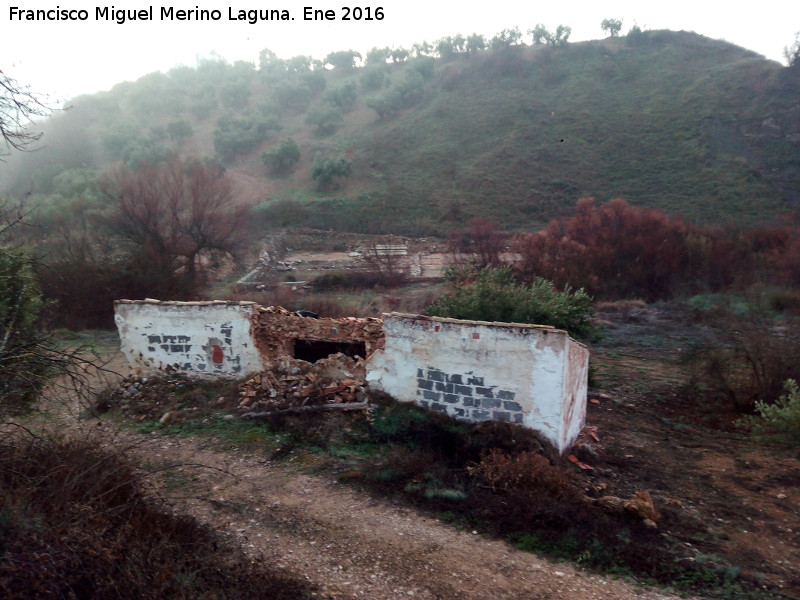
point(532, 375)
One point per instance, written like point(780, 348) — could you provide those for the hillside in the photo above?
point(664, 119)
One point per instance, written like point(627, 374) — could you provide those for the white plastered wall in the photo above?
point(532, 375)
point(476, 371)
point(202, 339)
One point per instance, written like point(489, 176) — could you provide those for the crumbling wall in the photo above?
point(277, 330)
point(206, 339)
point(532, 375)
point(476, 371)
point(233, 338)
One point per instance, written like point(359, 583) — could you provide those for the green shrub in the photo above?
point(373, 77)
point(340, 280)
point(342, 98)
point(179, 130)
point(282, 158)
point(240, 135)
point(235, 95)
point(780, 420)
point(326, 119)
point(24, 363)
point(493, 295)
point(327, 170)
point(282, 212)
point(387, 104)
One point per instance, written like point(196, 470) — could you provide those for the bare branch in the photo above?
point(18, 107)
point(345, 406)
point(179, 216)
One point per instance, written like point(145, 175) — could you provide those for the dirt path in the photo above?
point(347, 543)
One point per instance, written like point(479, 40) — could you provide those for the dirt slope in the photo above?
point(351, 545)
point(348, 543)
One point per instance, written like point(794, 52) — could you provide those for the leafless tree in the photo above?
point(179, 216)
point(18, 106)
point(481, 243)
point(387, 265)
point(792, 53)
point(29, 358)
point(12, 213)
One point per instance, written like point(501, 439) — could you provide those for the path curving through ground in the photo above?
point(350, 544)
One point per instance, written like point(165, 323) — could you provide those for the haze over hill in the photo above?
point(426, 139)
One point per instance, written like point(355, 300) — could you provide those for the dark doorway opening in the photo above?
point(312, 350)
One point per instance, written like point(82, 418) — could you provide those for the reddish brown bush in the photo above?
point(612, 250)
point(178, 218)
point(481, 243)
point(616, 250)
point(778, 252)
point(527, 472)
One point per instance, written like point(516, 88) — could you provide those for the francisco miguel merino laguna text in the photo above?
point(169, 13)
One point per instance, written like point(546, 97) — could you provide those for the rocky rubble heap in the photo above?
point(150, 397)
point(292, 383)
point(275, 330)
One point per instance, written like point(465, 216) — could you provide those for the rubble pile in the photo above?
point(291, 383)
point(148, 397)
point(276, 329)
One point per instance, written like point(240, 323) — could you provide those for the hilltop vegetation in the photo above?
point(419, 141)
point(147, 189)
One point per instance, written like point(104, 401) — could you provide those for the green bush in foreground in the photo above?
point(493, 295)
point(780, 420)
point(23, 356)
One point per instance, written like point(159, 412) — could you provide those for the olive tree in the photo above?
point(541, 35)
point(611, 26)
point(327, 170)
point(344, 60)
point(281, 159)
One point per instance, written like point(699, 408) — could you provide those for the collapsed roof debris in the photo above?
point(276, 331)
point(292, 385)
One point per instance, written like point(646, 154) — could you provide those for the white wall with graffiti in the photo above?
point(205, 339)
point(478, 371)
point(532, 375)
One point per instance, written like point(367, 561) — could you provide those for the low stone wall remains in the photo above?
point(532, 375)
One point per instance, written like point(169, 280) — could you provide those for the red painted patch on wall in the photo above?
point(217, 355)
point(476, 336)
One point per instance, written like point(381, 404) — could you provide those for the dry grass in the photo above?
point(77, 522)
point(528, 471)
point(750, 362)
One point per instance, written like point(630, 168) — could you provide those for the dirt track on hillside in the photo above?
point(347, 543)
point(344, 541)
